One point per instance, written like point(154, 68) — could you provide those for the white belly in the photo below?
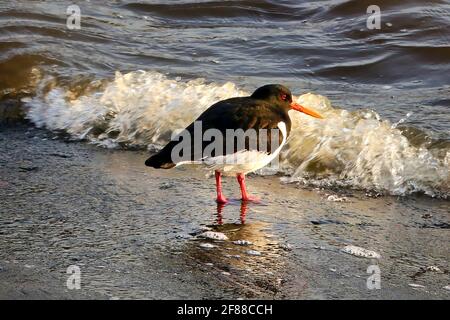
point(242, 161)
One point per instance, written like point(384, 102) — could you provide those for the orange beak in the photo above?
point(309, 112)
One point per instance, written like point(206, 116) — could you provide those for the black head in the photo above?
point(280, 96)
point(275, 94)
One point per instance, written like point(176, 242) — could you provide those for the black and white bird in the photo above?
point(267, 108)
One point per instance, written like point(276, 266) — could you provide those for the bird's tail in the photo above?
point(159, 161)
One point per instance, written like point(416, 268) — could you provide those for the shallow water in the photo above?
point(135, 234)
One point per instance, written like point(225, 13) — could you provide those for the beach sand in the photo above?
point(134, 232)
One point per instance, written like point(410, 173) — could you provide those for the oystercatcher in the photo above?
point(265, 111)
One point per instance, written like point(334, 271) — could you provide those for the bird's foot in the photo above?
point(249, 198)
point(221, 199)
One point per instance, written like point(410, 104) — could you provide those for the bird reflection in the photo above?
point(250, 259)
point(243, 212)
point(220, 207)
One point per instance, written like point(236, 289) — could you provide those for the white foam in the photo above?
point(360, 150)
point(207, 245)
point(242, 242)
point(351, 149)
point(336, 198)
point(214, 235)
point(361, 252)
point(136, 108)
point(253, 252)
point(433, 269)
point(415, 285)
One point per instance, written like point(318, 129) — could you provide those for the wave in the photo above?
point(267, 10)
point(360, 150)
point(354, 149)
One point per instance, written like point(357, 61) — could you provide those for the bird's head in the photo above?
point(281, 96)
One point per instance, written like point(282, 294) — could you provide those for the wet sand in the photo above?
point(133, 232)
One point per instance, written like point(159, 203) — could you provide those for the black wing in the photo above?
point(255, 118)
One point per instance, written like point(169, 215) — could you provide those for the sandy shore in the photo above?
point(133, 232)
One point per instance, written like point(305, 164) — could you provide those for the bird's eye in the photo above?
point(283, 97)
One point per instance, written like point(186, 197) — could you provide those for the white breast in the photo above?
point(245, 161)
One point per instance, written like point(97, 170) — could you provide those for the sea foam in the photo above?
point(353, 149)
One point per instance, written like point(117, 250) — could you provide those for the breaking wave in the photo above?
point(352, 149)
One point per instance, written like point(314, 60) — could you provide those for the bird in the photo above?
point(265, 111)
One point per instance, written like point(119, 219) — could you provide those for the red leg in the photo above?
point(220, 197)
point(245, 195)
